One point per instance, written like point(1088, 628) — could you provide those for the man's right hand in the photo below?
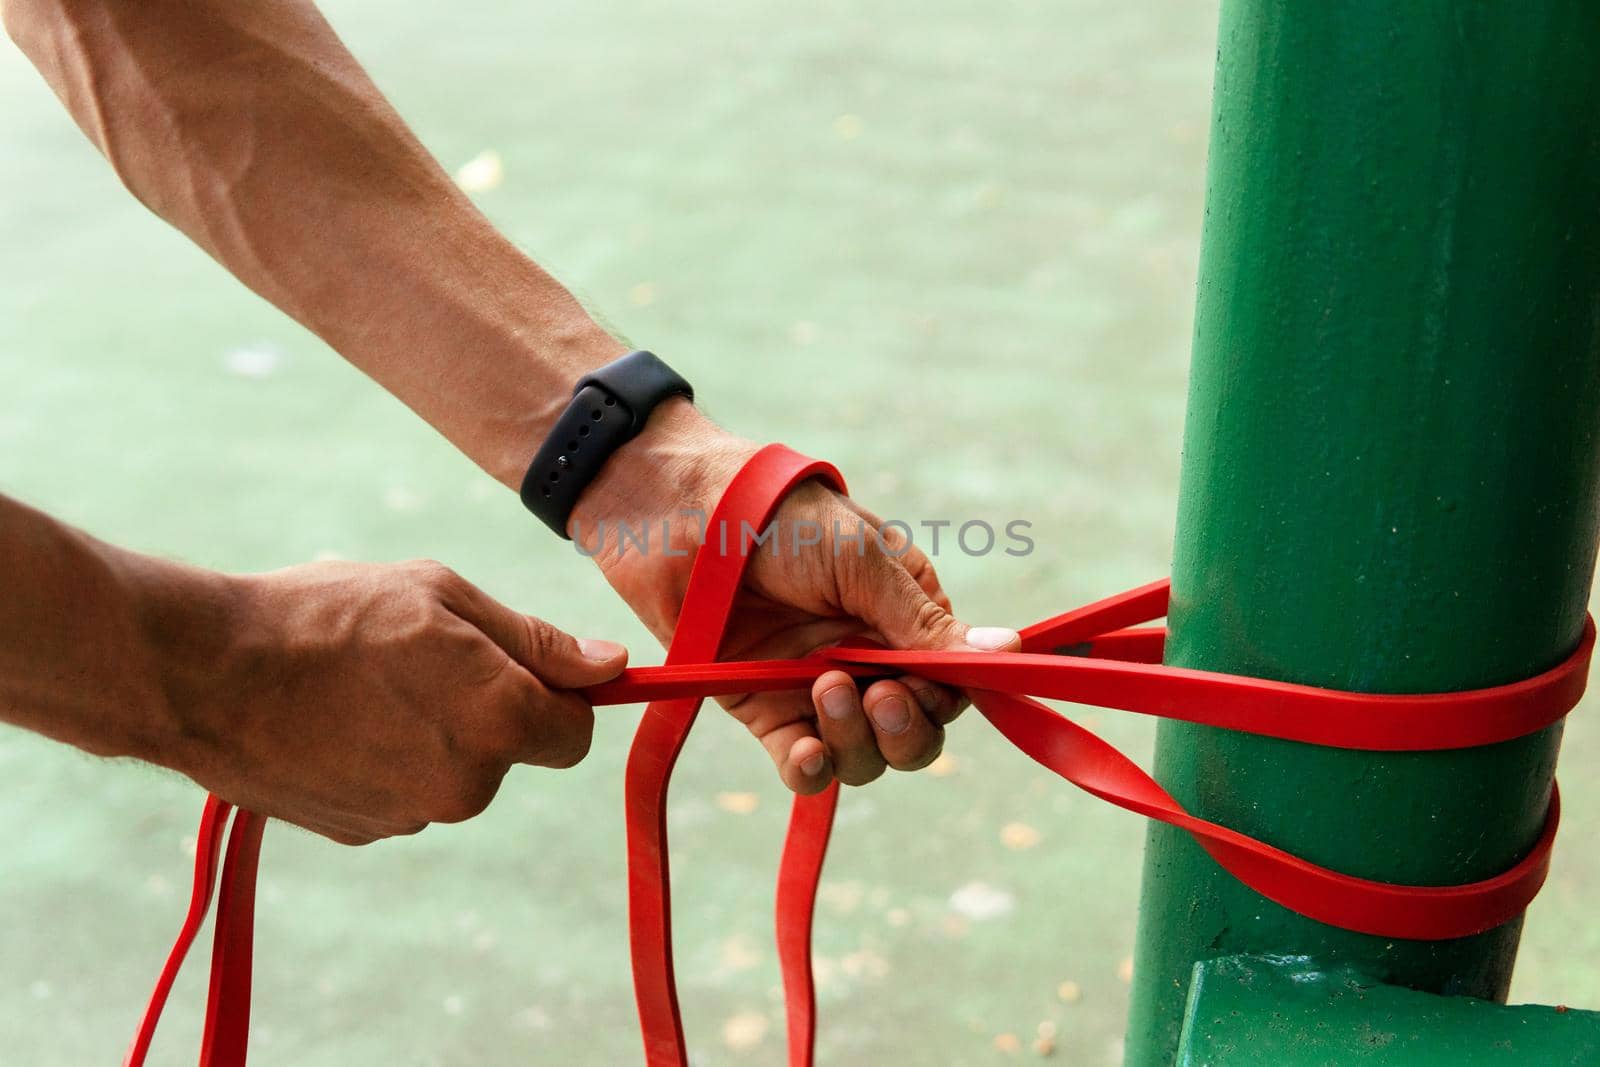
point(362, 701)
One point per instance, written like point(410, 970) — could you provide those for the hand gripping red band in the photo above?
point(1110, 660)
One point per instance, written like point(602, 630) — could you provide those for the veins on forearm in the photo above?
point(246, 136)
point(250, 127)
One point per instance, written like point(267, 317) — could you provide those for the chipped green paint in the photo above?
point(1390, 459)
point(1285, 1011)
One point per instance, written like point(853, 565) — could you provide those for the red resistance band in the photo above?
point(1119, 668)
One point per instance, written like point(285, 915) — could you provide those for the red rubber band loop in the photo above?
point(713, 580)
point(1101, 654)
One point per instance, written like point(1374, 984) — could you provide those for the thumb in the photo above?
point(993, 639)
point(565, 662)
point(883, 594)
point(550, 654)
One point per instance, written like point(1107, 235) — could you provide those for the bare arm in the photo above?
point(357, 700)
point(250, 127)
point(77, 662)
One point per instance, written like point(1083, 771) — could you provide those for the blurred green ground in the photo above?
point(974, 295)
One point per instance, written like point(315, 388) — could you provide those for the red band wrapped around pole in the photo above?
point(1100, 654)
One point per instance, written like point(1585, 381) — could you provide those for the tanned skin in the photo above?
point(362, 700)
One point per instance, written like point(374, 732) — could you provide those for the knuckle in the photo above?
point(436, 575)
point(933, 620)
point(893, 541)
point(466, 798)
point(543, 640)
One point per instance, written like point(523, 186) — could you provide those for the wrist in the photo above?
point(528, 413)
point(186, 621)
point(680, 462)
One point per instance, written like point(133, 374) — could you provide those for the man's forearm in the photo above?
point(89, 634)
point(251, 128)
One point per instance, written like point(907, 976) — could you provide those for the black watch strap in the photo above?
point(609, 407)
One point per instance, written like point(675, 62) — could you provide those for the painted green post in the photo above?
point(1390, 460)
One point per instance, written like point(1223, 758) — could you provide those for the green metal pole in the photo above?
point(1391, 459)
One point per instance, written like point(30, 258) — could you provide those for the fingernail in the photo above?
point(838, 702)
point(892, 715)
point(812, 766)
point(928, 698)
point(599, 650)
point(991, 638)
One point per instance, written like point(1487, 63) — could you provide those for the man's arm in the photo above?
point(357, 700)
point(251, 128)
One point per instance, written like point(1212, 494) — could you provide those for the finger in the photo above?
point(877, 589)
point(551, 727)
point(782, 723)
point(908, 739)
point(345, 826)
point(803, 763)
point(920, 567)
point(993, 639)
point(980, 639)
point(370, 830)
point(338, 830)
point(794, 639)
point(468, 797)
point(380, 826)
point(939, 703)
point(986, 639)
point(559, 659)
point(551, 654)
point(962, 704)
point(843, 727)
point(900, 546)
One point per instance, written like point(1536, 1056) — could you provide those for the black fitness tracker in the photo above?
point(609, 407)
